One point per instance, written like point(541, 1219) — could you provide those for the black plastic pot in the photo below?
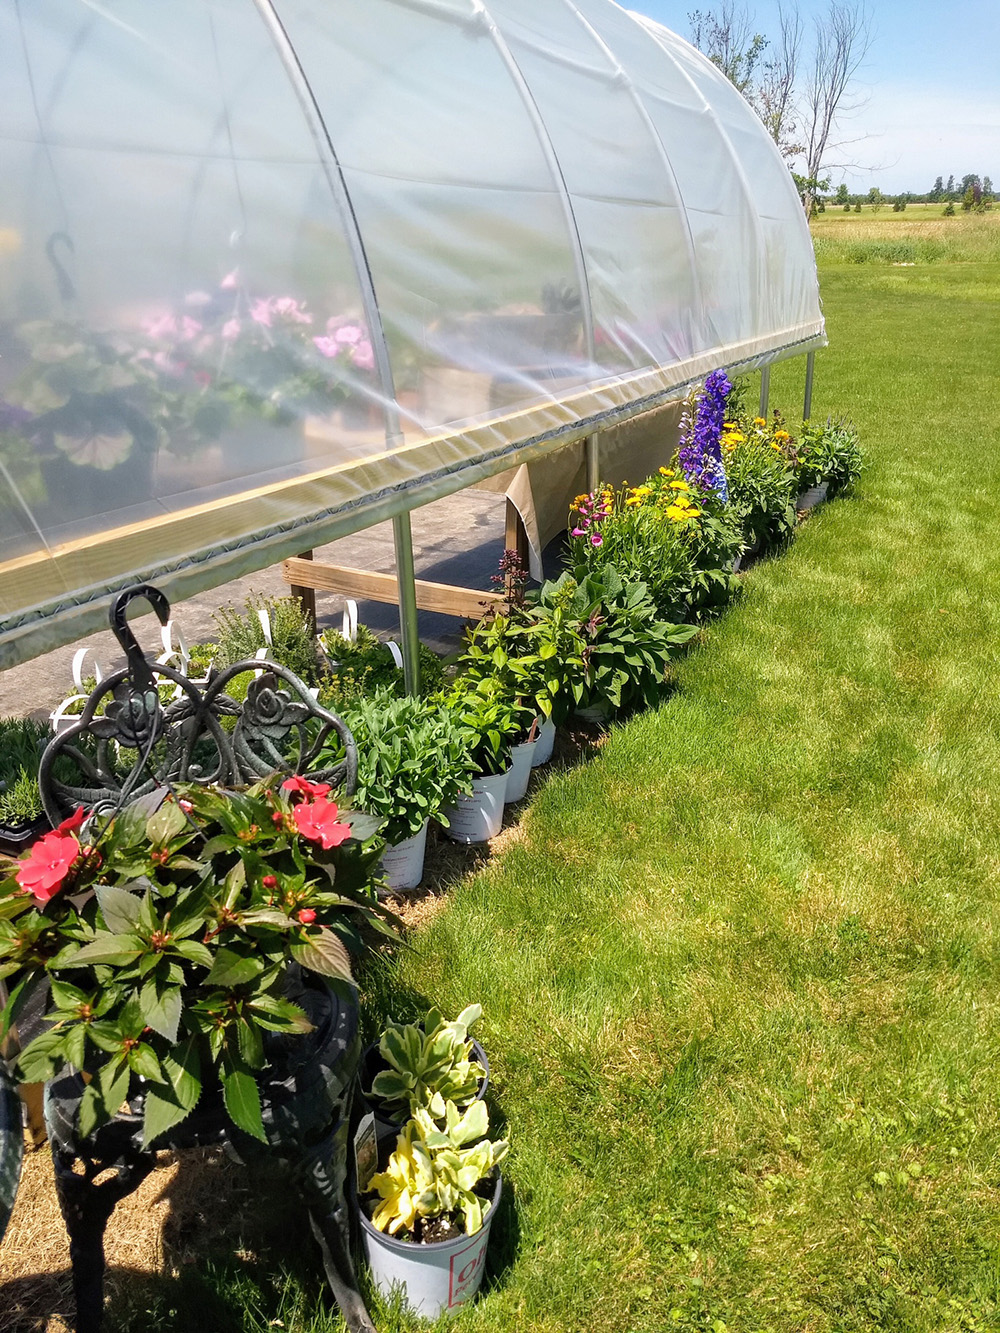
point(15, 837)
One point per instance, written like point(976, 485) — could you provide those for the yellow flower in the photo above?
point(730, 425)
point(667, 472)
point(679, 486)
point(580, 499)
point(734, 437)
point(782, 435)
point(633, 499)
point(679, 512)
point(759, 421)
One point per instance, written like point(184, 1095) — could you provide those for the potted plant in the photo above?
point(413, 763)
point(830, 459)
point(421, 1066)
point(426, 1216)
point(177, 942)
point(364, 664)
point(490, 722)
point(22, 819)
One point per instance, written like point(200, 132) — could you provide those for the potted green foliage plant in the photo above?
point(413, 763)
point(22, 819)
point(490, 722)
point(173, 938)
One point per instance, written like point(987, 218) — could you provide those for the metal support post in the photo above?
point(765, 390)
point(593, 462)
point(405, 583)
point(807, 400)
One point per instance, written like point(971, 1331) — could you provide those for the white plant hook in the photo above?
point(349, 626)
point(397, 655)
point(79, 657)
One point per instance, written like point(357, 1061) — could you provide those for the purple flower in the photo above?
point(597, 540)
point(700, 454)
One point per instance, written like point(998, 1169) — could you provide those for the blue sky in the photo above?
point(930, 88)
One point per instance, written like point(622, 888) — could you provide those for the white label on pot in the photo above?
point(365, 1151)
point(463, 1276)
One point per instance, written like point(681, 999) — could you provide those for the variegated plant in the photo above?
point(430, 1064)
point(433, 1173)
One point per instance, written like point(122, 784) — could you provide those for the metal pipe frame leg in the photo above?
point(807, 399)
point(406, 587)
point(765, 390)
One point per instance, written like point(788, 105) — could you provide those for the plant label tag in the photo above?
point(365, 1151)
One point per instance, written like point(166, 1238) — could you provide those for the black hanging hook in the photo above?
point(138, 667)
point(67, 291)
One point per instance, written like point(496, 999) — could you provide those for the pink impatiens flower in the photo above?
point(317, 820)
point(363, 356)
point(260, 312)
point(303, 787)
point(230, 280)
point(328, 346)
point(47, 865)
point(231, 330)
point(288, 308)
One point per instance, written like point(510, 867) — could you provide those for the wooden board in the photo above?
point(466, 603)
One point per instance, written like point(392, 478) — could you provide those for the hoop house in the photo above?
point(274, 270)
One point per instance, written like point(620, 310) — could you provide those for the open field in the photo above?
point(920, 234)
point(739, 971)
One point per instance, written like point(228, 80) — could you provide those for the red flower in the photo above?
point(74, 821)
point(47, 865)
point(303, 787)
point(270, 881)
point(317, 820)
point(306, 915)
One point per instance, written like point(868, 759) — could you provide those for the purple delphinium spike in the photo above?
point(700, 454)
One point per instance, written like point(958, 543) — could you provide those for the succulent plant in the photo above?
point(429, 1064)
point(432, 1173)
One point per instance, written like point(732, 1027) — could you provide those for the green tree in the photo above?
point(875, 198)
point(841, 194)
point(949, 189)
point(938, 190)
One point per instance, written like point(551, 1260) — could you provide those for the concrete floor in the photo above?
point(457, 540)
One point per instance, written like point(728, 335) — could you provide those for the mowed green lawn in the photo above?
point(740, 971)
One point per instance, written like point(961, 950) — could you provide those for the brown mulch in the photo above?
point(154, 1232)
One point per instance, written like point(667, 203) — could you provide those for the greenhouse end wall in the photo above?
point(272, 272)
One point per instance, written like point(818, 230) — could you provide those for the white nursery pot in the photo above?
point(544, 742)
point(403, 862)
point(521, 762)
point(435, 1279)
point(478, 817)
point(810, 498)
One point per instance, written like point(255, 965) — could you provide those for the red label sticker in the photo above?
point(464, 1271)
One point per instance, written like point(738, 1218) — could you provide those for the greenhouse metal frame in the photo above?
point(272, 271)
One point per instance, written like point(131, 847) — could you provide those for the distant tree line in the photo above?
point(973, 194)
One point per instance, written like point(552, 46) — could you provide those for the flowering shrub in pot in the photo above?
point(168, 938)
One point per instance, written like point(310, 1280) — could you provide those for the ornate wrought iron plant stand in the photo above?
point(307, 1088)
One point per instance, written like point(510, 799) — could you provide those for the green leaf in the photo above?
point(74, 1044)
point(17, 999)
point(103, 1096)
point(324, 953)
point(194, 951)
point(142, 1059)
point(168, 821)
point(234, 969)
point(107, 948)
point(242, 1098)
point(251, 1044)
point(161, 1008)
point(119, 908)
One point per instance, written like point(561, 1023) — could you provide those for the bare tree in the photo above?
point(842, 39)
point(727, 37)
point(774, 97)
